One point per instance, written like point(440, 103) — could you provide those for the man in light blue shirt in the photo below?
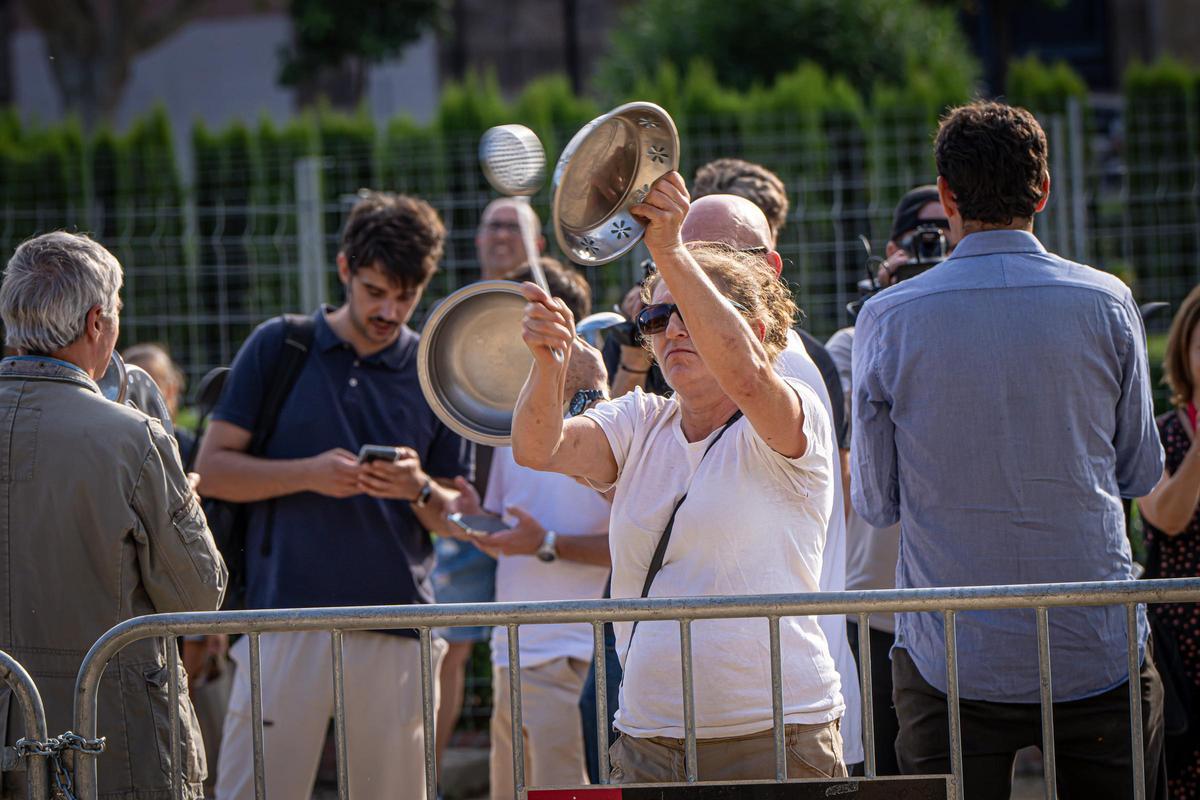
point(1002, 409)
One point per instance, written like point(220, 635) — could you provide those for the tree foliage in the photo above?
point(866, 42)
point(334, 41)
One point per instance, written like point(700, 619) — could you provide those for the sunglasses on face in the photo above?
point(655, 318)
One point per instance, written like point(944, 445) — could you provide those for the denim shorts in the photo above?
point(463, 575)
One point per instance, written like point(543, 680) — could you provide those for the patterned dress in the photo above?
point(1179, 557)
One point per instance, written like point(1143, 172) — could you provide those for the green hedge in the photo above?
point(807, 126)
point(1160, 148)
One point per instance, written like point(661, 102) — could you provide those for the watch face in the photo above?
point(581, 399)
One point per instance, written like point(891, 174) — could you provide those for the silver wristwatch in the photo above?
point(548, 551)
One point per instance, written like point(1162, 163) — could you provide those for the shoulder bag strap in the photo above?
point(660, 551)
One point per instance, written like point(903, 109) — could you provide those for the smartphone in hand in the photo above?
point(477, 525)
point(377, 452)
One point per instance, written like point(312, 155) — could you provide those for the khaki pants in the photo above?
point(550, 719)
point(384, 734)
point(813, 751)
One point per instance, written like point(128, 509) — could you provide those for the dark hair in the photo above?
point(401, 235)
point(993, 157)
point(566, 283)
point(745, 179)
point(1176, 373)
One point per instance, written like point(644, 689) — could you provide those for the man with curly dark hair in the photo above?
point(1002, 409)
point(327, 528)
point(745, 179)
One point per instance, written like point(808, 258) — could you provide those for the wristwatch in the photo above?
point(582, 399)
point(548, 552)
point(422, 498)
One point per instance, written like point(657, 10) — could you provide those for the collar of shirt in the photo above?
point(986, 243)
point(46, 368)
point(394, 356)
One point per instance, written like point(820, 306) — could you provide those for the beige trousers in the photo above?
point(384, 734)
point(813, 751)
point(550, 719)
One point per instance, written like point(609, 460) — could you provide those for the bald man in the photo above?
point(740, 224)
point(498, 240)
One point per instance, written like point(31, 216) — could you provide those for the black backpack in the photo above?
point(228, 520)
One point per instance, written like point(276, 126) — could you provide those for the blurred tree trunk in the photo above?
point(92, 45)
point(342, 87)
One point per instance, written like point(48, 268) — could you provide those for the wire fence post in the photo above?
point(310, 227)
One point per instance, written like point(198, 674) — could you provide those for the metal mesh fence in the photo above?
point(207, 261)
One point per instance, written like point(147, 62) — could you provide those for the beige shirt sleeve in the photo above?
point(181, 567)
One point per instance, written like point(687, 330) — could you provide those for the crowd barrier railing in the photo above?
point(31, 751)
point(425, 618)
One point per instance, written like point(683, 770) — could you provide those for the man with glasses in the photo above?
point(498, 240)
point(463, 574)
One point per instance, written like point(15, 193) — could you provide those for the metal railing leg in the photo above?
point(173, 713)
point(868, 707)
point(1135, 704)
point(777, 701)
point(956, 765)
point(339, 715)
point(427, 714)
point(514, 705)
point(256, 717)
point(691, 768)
point(1048, 765)
point(600, 658)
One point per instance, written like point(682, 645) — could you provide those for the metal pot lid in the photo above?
point(472, 362)
point(607, 167)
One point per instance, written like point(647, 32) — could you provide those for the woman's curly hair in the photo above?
point(748, 281)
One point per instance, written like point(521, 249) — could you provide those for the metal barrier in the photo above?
point(948, 602)
point(34, 746)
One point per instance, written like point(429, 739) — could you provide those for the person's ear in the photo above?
point(94, 323)
point(947, 198)
point(776, 262)
point(343, 267)
point(1045, 194)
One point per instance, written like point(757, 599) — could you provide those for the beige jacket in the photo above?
point(97, 525)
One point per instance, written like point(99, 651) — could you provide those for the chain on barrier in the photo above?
point(53, 749)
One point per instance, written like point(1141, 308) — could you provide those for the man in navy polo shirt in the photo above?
point(325, 530)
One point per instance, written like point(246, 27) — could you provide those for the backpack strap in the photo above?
point(299, 331)
point(297, 340)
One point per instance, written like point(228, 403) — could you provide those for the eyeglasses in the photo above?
point(503, 227)
point(655, 318)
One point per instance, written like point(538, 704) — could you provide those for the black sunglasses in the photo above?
point(655, 318)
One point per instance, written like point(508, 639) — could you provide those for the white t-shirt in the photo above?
point(753, 523)
point(559, 504)
point(794, 362)
point(871, 553)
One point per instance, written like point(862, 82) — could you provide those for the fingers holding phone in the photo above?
point(392, 473)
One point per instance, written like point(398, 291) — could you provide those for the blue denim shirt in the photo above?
point(1002, 409)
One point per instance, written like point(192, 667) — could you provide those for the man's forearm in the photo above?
point(241, 478)
point(432, 515)
point(588, 548)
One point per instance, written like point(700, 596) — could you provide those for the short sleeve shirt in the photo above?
point(754, 522)
point(306, 549)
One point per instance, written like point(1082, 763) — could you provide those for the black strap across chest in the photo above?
point(660, 551)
